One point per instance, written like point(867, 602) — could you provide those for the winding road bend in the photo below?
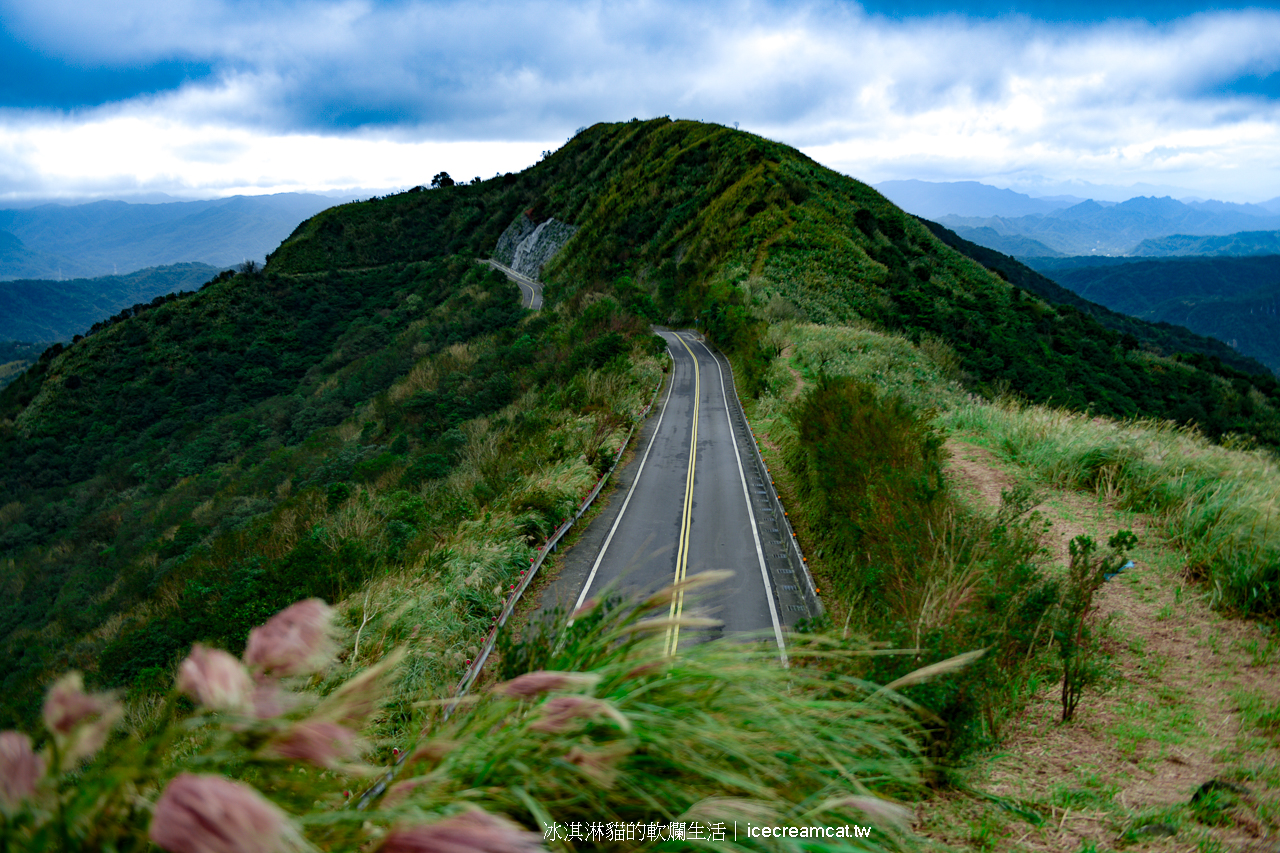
point(530, 290)
point(692, 499)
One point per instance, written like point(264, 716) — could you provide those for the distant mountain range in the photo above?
point(966, 198)
point(1018, 224)
point(1236, 300)
point(1009, 244)
point(55, 241)
point(1244, 243)
point(1162, 336)
point(43, 310)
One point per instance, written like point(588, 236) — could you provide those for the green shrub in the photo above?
point(1084, 664)
point(917, 570)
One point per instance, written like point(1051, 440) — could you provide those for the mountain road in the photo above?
point(692, 499)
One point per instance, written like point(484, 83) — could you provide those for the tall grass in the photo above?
point(612, 733)
point(913, 567)
point(1218, 503)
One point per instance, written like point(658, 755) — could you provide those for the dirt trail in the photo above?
point(1193, 689)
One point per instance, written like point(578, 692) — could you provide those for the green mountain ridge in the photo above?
point(1155, 332)
point(350, 412)
point(45, 310)
point(1242, 243)
point(1230, 298)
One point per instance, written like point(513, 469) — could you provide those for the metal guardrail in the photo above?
point(545, 551)
point(513, 597)
point(795, 556)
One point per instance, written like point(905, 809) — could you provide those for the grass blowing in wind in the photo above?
point(609, 740)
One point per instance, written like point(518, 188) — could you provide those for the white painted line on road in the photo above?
point(605, 547)
point(755, 532)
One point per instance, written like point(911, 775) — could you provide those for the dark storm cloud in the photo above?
point(32, 78)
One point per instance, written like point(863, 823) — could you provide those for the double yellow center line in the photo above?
point(682, 554)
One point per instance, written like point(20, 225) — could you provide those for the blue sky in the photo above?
point(198, 98)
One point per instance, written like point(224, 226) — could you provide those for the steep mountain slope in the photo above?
point(1154, 333)
point(1232, 299)
point(43, 310)
point(376, 405)
point(707, 224)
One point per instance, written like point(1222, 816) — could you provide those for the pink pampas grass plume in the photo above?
point(560, 712)
point(79, 721)
point(68, 705)
point(316, 742)
point(545, 681)
point(210, 814)
point(296, 641)
point(216, 680)
point(20, 770)
point(469, 832)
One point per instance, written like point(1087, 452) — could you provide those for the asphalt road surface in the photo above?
point(530, 290)
point(690, 501)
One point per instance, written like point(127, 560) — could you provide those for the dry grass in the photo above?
point(10, 512)
point(1219, 504)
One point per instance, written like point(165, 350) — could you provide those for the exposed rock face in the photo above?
point(525, 247)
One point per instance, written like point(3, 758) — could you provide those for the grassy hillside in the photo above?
point(181, 445)
point(699, 223)
point(179, 475)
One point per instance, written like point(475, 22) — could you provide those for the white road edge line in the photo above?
point(522, 281)
point(755, 532)
point(605, 547)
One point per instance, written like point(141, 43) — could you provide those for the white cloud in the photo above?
point(946, 98)
point(127, 154)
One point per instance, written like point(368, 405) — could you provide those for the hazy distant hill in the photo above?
point(1009, 244)
point(17, 261)
point(1232, 299)
point(1091, 228)
point(964, 198)
point(42, 310)
point(109, 237)
point(1242, 244)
